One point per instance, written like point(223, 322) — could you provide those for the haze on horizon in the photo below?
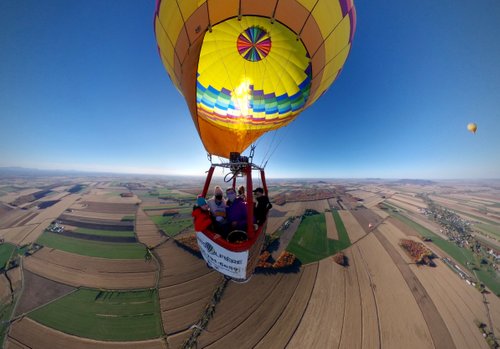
point(82, 88)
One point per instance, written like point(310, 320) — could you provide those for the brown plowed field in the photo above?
point(409, 199)
point(402, 205)
point(9, 197)
point(146, 230)
point(352, 329)
point(354, 229)
point(34, 234)
point(110, 207)
point(39, 291)
point(36, 336)
point(370, 333)
point(389, 237)
point(398, 311)
point(10, 219)
point(186, 286)
point(16, 235)
point(321, 325)
point(284, 327)
point(458, 303)
point(77, 270)
point(331, 229)
point(52, 212)
point(247, 311)
point(95, 215)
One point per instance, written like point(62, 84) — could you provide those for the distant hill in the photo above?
point(415, 181)
point(31, 172)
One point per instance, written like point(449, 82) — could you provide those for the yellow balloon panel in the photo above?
point(308, 4)
point(252, 75)
point(327, 14)
point(338, 40)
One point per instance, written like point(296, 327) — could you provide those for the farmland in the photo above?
point(92, 293)
point(104, 315)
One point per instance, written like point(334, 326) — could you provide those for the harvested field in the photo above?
point(319, 205)
point(282, 330)
point(255, 305)
point(354, 229)
point(10, 197)
point(458, 303)
point(410, 200)
point(102, 273)
point(39, 291)
point(398, 311)
point(331, 229)
point(35, 233)
point(56, 210)
point(13, 217)
point(180, 305)
point(146, 230)
point(28, 333)
point(16, 235)
point(403, 205)
point(94, 215)
point(94, 223)
point(110, 207)
point(325, 310)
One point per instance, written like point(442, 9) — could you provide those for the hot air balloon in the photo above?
point(246, 67)
point(472, 127)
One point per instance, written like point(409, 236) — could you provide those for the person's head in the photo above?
point(218, 193)
point(258, 192)
point(231, 194)
point(241, 190)
point(202, 203)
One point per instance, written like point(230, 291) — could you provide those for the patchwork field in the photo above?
point(85, 293)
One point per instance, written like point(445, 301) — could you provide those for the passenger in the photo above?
point(218, 209)
point(201, 215)
point(236, 212)
point(241, 193)
point(261, 206)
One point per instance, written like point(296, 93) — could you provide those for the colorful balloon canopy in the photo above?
point(246, 67)
point(472, 127)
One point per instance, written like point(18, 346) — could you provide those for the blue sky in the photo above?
point(82, 87)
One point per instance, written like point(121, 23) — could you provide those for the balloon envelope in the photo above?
point(246, 67)
point(472, 127)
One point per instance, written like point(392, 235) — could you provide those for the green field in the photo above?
point(464, 256)
point(99, 232)
point(104, 315)
point(6, 251)
point(92, 248)
point(492, 230)
point(170, 225)
point(130, 218)
point(165, 193)
point(341, 231)
point(6, 310)
point(310, 242)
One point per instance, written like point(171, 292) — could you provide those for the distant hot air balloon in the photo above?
point(246, 67)
point(472, 127)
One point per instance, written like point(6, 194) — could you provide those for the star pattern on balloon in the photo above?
point(254, 44)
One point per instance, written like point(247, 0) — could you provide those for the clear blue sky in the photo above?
point(82, 87)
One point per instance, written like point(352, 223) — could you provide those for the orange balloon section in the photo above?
point(246, 67)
